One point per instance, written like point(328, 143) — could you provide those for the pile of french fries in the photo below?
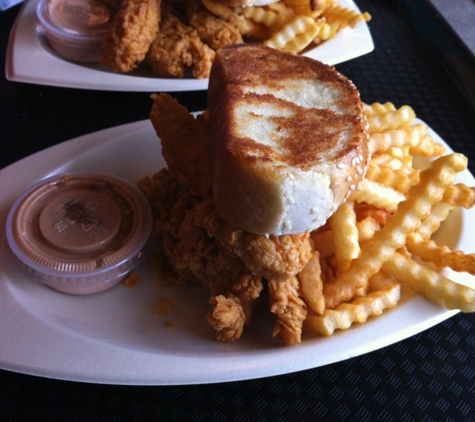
point(290, 25)
point(382, 237)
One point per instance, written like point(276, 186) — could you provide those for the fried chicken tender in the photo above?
point(196, 257)
point(201, 247)
point(273, 257)
point(130, 34)
point(226, 317)
point(185, 144)
point(287, 304)
point(177, 48)
point(230, 313)
point(212, 30)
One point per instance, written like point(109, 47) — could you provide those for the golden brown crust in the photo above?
point(212, 30)
point(177, 48)
point(130, 34)
point(312, 136)
point(275, 117)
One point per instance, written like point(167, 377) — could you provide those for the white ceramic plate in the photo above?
point(114, 337)
point(29, 59)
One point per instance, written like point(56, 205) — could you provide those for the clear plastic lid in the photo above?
point(74, 29)
point(79, 16)
point(74, 18)
point(79, 232)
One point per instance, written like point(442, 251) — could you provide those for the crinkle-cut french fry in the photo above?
point(325, 31)
point(270, 18)
point(302, 7)
point(414, 136)
point(394, 158)
point(441, 255)
point(311, 284)
point(380, 281)
point(460, 195)
point(328, 29)
point(403, 116)
point(345, 236)
point(347, 17)
point(295, 35)
point(324, 242)
point(389, 161)
point(433, 285)
point(453, 196)
point(428, 147)
point(408, 135)
point(392, 236)
point(432, 222)
point(366, 229)
point(398, 179)
point(378, 108)
point(279, 7)
point(377, 194)
point(404, 155)
point(358, 311)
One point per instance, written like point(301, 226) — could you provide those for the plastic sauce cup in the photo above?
point(79, 233)
point(74, 29)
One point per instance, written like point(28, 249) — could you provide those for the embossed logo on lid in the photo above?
point(79, 232)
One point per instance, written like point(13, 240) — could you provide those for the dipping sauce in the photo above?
point(79, 15)
point(74, 29)
point(79, 233)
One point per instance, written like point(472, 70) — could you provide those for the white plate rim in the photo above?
point(36, 345)
point(30, 60)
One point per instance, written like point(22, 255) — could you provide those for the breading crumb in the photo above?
point(132, 280)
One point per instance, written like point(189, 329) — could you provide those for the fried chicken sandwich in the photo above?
point(282, 145)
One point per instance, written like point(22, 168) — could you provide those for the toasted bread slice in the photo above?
point(288, 139)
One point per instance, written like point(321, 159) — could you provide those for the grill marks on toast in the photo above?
point(280, 111)
point(288, 139)
point(287, 132)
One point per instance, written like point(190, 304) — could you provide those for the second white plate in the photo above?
point(30, 60)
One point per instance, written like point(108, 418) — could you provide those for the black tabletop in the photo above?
point(430, 376)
